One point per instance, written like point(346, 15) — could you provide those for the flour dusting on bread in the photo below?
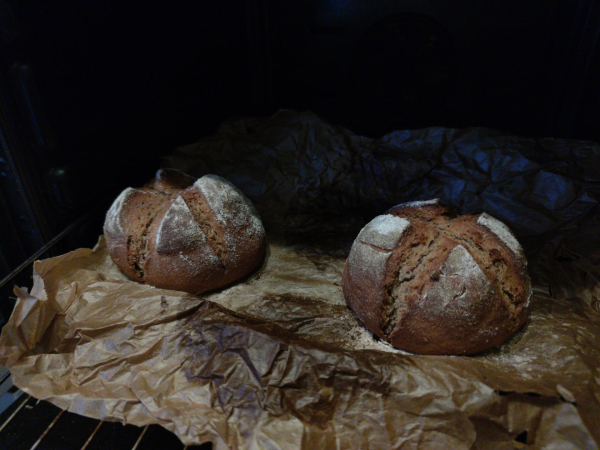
point(234, 212)
point(178, 229)
point(419, 203)
point(502, 231)
point(384, 231)
point(113, 217)
point(433, 281)
point(230, 206)
point(182, 235)
point(461, 290)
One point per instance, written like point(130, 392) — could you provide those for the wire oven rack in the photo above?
point(30, 424)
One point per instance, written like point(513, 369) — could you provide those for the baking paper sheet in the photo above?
point(277, 360)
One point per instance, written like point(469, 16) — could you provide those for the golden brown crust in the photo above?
point(452, 285)
point(185, 234)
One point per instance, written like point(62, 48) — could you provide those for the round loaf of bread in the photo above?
point(185, 234)
point(429, 281)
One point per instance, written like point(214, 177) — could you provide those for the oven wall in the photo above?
point(94, 92)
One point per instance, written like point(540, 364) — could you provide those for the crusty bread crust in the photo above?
point(185, 234)
point(451, 285)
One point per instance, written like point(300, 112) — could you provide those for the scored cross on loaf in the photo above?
point(430, 281)
point(180, 233)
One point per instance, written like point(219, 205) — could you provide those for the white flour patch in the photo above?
point(419, 203)
point(233, 211)
point(113, 216)
point(462, 288)
point(384, 231)
point(528, 301)
point(178, 229)
point(178, 233)
point(362, 339)
point(367, 263)
point(230, 206)
point(502, 231)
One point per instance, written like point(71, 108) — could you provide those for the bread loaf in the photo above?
point(429, 281)
point(185, 234)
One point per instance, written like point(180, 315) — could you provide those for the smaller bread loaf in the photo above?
point(429, 281)
point(180, 233)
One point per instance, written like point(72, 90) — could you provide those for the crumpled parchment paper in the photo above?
point(277, 360)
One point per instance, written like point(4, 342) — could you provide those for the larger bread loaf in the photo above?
point(185, 234)
point(429, 281)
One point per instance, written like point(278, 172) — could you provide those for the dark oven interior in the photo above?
point(93, 93)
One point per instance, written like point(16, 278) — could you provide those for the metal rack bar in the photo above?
point(92, 436)
point(47, 430)
point(47, 247)
point(135, 446)
point(15, 413)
